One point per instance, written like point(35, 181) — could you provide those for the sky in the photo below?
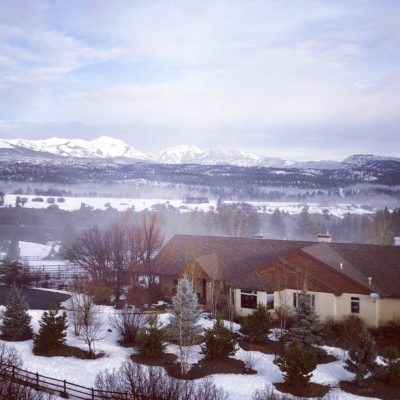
point(298, 79)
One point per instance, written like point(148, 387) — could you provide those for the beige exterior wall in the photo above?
point(327, 305)
point(369, 310)
point(389, 310)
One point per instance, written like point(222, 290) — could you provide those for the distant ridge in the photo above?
point(105, 147)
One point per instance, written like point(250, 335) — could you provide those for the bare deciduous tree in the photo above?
point(109, 254)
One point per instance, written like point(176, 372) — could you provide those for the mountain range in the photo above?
point(105, 147)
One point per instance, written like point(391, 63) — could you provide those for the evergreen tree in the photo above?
point(13, 250)
point(151, 340)
point(257, 324)
point(52, 331)
point(278, 225)
point(361, 359)
point(305, 322)
point(16, 320)
point(183, 321)
point(297, 364)
point(218, 341)
point(305, 229)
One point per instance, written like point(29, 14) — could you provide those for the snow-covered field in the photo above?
point(122, 204)
point(239, 387)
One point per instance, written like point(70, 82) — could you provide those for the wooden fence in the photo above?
point(59, 387)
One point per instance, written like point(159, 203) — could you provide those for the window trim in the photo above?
point(355, 305)
point(248, 296)
point(295, 299)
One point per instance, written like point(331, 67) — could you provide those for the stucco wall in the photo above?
point(389, 310)
point(369, 310)
point(327, 305)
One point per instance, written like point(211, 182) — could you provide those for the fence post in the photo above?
point(65, 387)
point(37, 380)
point(92, 394)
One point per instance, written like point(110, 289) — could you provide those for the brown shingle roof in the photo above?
point(238, 259)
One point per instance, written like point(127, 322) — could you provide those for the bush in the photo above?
point(390, 372)
point(154, 383)
point(151, 340)
point(137, 296)
point(101, 295)
point(218, 341)
point(268, 393)
point(362, 357)
point(52, 331)
point(297, 364)
point(350, 328)
point(127, 321)
point(257, 325)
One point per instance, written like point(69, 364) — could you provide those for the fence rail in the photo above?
point(60, 387)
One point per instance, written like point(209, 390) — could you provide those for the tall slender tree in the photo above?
point(183, 321)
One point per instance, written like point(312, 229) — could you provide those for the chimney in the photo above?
point(369, 280)
point(324, 237)
point(397, 241)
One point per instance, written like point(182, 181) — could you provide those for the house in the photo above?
point(342, 279)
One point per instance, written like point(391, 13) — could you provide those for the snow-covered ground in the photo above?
point(239, 387)
point(122, 204)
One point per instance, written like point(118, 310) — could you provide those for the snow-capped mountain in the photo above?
point(105, 147)
point(102, 147)
point(184, 154)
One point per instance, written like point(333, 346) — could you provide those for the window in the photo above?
point(355, 305)
point(270, 300)
point(248, 299)
point(297, 297)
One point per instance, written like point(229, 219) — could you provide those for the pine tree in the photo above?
point(305, 228)
point(218, 341)
point(362, 358)
point(257, 324)
point(16, 320)
point(151, 340)
point(306, 322)
point(297, 364)
point(183, 321)
point(52, 331)
point(278, 225)
point(13, 251)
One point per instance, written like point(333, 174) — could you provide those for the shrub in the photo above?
point(362, 357)
point(390, 372)
point(151, 340)
point(101, 295)
point(268, 393)
point(218, 341)
point(52, 331)
point(257, 325)
point(350, 328)
point(127, 321)
point(154, 383)
point(297, 364)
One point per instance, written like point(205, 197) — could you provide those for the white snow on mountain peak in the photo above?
point(109, 147)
